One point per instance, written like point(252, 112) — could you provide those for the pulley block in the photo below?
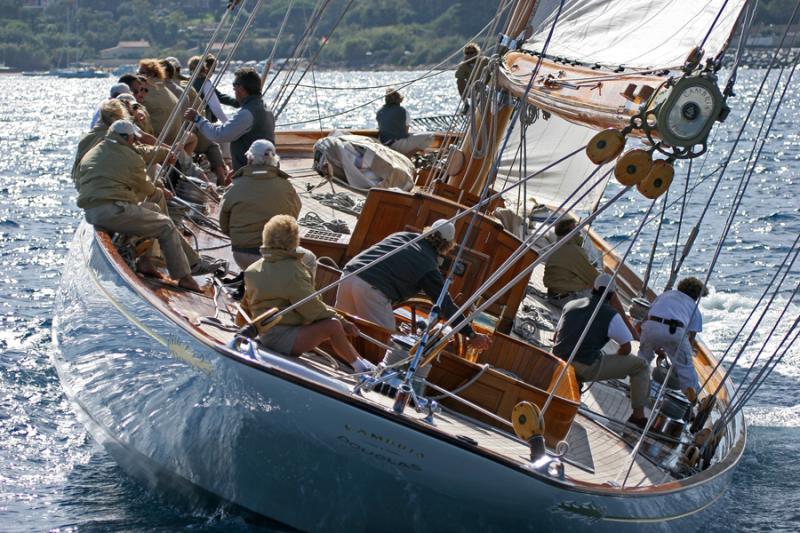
point(633, 167)
point(526, 419)
point(605, 146)
point(657, 180)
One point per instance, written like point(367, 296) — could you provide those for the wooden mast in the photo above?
point(470, 171)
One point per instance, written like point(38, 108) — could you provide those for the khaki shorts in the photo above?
point(280, 338)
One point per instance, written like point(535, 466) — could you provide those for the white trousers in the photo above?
point(412, 144)
point(656, 335)
point(359, 298)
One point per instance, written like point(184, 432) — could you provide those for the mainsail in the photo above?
point(636, 34)
point(604, 59)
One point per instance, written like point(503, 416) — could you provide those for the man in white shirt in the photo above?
point(672, 323)
point(590, 363)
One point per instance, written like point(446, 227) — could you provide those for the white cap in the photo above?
point(125, 127)
point(602, 281)
point(119, 88)
point(260, 148)
point(445, 229)
point(126, 98)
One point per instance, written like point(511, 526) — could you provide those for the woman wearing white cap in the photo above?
point(260, 191)
point(372, 293)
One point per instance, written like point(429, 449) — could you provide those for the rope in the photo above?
point(313, 220)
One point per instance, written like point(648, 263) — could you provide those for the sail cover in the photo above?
point(638, 34)
point(548, 141)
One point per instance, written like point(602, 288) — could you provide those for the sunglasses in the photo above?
point(236, 84)
point(136, 106)
point(142, 90)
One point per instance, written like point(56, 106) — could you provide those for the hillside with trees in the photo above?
point(43, 34)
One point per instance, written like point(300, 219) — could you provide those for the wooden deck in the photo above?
point(599, 445)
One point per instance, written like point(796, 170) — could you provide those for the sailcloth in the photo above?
point(639, 34)
point(547, 141)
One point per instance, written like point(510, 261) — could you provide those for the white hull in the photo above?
point(287, 443)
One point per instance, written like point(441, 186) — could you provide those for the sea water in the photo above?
point(54, 477)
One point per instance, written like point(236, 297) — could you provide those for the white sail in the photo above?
point(548, 141)
point(638, 34)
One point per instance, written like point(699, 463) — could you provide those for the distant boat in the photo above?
point(80, 72)
point(4, 69)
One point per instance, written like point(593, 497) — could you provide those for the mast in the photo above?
point(471, 171)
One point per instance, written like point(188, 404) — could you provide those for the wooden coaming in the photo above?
point(489, 245)
point(498, 393)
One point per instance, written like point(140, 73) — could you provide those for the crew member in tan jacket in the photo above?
point(280, 279)
point(112, 179)
point(260, 191)
point(159, 100)
point(568, 274)
point(110, 112)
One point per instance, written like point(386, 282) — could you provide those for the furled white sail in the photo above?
point(547, 141)
point(638, 34)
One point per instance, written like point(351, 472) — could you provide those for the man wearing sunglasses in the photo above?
point(251, 122)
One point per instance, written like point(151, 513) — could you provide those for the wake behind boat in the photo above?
point(439, 435)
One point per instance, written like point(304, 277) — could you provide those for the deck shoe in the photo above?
point(640, 422)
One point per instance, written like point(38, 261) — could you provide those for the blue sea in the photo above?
point(54, 477)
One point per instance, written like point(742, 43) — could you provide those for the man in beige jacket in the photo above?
point(568, 273)
point(111, 180)
point(260, 191)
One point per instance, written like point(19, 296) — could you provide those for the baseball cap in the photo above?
point(260, 148)
point(126, 98)
point(445, 229)
point(125, 127)
point(602, 281)
point(118, 89)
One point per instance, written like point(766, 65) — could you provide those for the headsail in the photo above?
point(547, 141)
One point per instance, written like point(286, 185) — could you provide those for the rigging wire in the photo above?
point(756, 306)
point(271, 58)
point(402, 85)
point(314, 59)
point(298, 51)
point(772, 363)
point(294, 55)
point(458, 216)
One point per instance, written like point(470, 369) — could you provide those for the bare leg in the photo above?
point(315, 334)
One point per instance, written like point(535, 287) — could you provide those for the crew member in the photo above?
point(473, 60)
point(280, 279)
point(393, 126)
point(253, 121)
point(590, 363)
point(111, 181)
point(672, 323)
point(372, 293)
point(260, 191)
point(568, 274)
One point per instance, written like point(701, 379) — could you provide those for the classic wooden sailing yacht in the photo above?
point(505, 440)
